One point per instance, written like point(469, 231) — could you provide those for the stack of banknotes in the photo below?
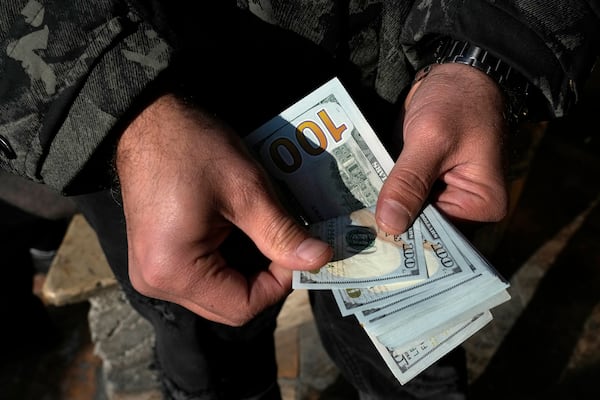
point(418, 295)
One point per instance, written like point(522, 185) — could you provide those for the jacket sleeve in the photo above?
point(553, 43)
point(69, 74)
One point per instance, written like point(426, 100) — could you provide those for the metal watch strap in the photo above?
point(512, 82)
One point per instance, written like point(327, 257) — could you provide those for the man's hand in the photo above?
point(186, 182)
point(453, 131)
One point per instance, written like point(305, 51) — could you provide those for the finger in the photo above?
point(406, 188)
point(477, 195)
point(255, 210)
point(209, 288)
point(231, 298)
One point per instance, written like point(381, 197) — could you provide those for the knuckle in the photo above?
point(244, 190)
point(499, 209)
point(240, 317)
point(254, 203)
point(148, 277)
point(281, 232)
point(488, 206)
point(408, 185)
point(496, 202)
point(240, 320)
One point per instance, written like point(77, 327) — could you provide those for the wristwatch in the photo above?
point(514, 85)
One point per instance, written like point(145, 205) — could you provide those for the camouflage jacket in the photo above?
point(71, 71)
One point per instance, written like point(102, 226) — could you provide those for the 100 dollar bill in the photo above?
point(426, 286)
point(445, 265)
point(407, 362)
point(327, 162)
point(364, 255)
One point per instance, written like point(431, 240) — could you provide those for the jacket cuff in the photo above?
point(123, 80)
point(527, 46)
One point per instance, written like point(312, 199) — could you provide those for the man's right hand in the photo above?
point(453, 130)
point(186, 181)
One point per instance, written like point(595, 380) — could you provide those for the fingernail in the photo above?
point(311, 249)
point(393, 216)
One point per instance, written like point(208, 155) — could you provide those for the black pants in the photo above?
point(200, 359)
point(26, 325)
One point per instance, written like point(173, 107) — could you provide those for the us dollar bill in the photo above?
point(402, 318)
point(327, 162)
point(444, 265)
point(407, 362)
point(399, 327)
point(322, 155)
point(418, 294)
point(363, 254)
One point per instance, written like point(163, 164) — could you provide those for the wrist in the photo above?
point(513, 85)
point(152, 128)
point(144, 141)
point(461, 82)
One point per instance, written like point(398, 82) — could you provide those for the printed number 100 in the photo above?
point(285, 145)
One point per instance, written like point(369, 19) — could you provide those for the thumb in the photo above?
point(404, 192)
point(281, 239)
point(277, 235)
